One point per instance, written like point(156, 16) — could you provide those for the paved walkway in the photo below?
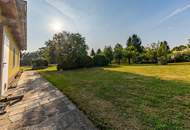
point(42, 108)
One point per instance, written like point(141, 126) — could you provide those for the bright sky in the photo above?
point(106, 22)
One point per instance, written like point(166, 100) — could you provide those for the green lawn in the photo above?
point(129, 97)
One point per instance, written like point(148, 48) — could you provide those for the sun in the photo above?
point(56, 26)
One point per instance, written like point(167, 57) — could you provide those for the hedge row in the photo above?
point(85, 62)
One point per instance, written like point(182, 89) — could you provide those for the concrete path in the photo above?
point(42, 108)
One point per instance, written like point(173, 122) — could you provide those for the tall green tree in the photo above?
point(108, 52)
point(130, 53)
point(118, 53)
point(151, 53)
point(92, 53)
point(135, 41)
point(162, 53)
point(166, 44)
point(99, 51)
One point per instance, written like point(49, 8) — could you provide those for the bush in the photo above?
point(66, 65)
point(86, 61)
point(83, 62)
point(100, 60)
point(58, 67)
point(39, 64)
point(180, 56)
point(162, 60)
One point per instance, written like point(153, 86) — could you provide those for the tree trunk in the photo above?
point(129, 60)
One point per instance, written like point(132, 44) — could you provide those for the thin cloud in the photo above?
point(50, 3)
point(176, 12)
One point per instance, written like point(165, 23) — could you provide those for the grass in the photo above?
point(129, 97)
point(26, 68)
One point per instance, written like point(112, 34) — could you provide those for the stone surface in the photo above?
point(43, 108)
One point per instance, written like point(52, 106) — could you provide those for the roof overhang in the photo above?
point(14, 15)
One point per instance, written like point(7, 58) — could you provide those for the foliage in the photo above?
point(99, 51)
point(118, 53)
point(70, 50)
point(180, 56)
point(39, 64)
point(88, 62)
point(135, 41)
point(180, 48)
point(50, 51)
point(92, 53)
point(27, 58)
point(85, 62)
point(108, 52)
point(163, 60)
point(130, 53)
point(100, 60)
point(162, 53)
point(150, 54)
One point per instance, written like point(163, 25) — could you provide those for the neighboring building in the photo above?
point(12, 39)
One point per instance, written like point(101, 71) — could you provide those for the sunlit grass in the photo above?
point(129, 96)
point(177, 71)
point(26, 68)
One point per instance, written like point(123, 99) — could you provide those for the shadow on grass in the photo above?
point(126, 100)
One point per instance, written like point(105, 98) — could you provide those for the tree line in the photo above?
point(69, 51)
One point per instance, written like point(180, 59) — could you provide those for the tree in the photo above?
point(99, 51)
point(28, 57)
point(69, 48)
point(100, 60)
point(162, 53)
point(44, 53)
point(166, 44)
point(179, 48)
point(118, 53)
point(151, 53)
point(130, 53)
point(188, 45)
point(108, 52)
point(51, 49)
point(135, 41)
point(92, 53)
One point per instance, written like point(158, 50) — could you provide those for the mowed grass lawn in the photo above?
point(129, 96)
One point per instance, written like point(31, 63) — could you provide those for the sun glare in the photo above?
point(56, 26)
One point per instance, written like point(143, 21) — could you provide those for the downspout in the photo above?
point(1, 48)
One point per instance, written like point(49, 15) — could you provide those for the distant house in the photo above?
point(12, 39)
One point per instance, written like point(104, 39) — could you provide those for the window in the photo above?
point(14, 57)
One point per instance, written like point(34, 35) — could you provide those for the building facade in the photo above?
point(13, 37)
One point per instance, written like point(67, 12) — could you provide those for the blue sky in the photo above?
point(107, 22)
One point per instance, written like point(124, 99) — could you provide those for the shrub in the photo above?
point(86, 61)
point(39, 64)
point(100, 60)
point(162, 60)
point(180, 56)
point(58, 67)
point(66, 65)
